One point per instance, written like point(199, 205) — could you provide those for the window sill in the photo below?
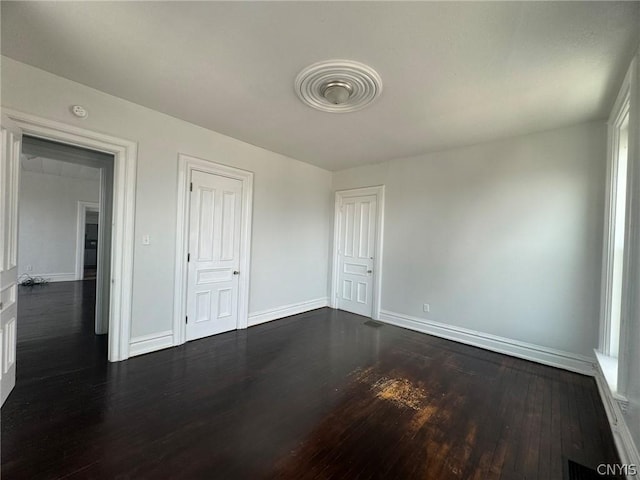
point(609, 368)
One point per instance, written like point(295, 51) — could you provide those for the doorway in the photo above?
point(357, 251)
point(124, 154)
point(65, 184)
point(213, 249)
point(125, 159)
point(90, 246)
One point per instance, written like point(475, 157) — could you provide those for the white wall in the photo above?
point(502, 238)
point(291, 199)
point(505, 237)
point(47, 221)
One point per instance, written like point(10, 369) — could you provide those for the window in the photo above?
point(618, 230)
point(614, 275)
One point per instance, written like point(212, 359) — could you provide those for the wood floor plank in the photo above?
point(545, 447)
point(517, 436)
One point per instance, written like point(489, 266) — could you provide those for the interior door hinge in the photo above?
point(186, 319)
point(191, 187)
point(188, 257)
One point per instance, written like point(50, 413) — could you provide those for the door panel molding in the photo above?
point(214, 245)
point(186, 165)
point(336, 288)
point(9, 185)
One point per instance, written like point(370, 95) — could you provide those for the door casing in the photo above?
point(122, 235)
point(378, 191)
point(186, 164)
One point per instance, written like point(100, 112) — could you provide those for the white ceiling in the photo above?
point(454, 73)
point(56, 167)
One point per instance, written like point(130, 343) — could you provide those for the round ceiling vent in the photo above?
point(338, 85)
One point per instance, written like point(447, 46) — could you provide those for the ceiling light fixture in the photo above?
point(337, 92)
point(338, 86)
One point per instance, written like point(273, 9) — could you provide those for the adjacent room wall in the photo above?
point(48, 221)
point(291, 210)
point(503, 238)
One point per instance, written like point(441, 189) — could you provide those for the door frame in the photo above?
point(83, 208)
point(186, 164)
point(125, 154)
point(378, 191)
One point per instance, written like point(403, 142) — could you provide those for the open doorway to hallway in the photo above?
point(64, 239)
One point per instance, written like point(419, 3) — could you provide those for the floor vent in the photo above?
point(576, 471)
point(374, 324)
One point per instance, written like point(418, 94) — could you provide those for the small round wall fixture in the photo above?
point(79, 111)
point(338, 86)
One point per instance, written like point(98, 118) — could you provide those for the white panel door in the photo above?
point(214, 254)
point(9, 178)
point(356, 254)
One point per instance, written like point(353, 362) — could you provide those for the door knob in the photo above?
point(369, 271)
point(235, 272)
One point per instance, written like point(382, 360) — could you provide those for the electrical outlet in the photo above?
point(29, 268)
point(146, 240)
point(426, 308)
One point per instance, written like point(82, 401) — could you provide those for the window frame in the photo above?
point(623, 106)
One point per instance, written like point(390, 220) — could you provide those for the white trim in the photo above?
point(268, 315)
point(186, 164)
point(150, 343)
point(83, 208)
point(536, 353)
point(622, 437)
point(608, 367)
point(55, 277)
point(123, 215)
point(379, 192)
point(630, 312)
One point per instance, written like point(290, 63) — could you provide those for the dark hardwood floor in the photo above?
point(315, 396)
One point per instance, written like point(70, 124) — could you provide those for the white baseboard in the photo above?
point(528, 351)
point(263, 316)
point(627, 449)
point(150, 343)
point(158, 341)
point(54, 277)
